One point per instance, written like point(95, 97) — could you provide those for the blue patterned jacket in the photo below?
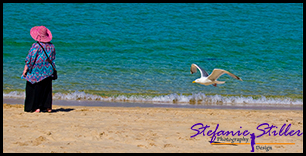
point(38, 66)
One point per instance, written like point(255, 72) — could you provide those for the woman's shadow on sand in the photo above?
point(61, 110)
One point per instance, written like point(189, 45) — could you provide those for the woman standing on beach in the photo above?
point(38, 71)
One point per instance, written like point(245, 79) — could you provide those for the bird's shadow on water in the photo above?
point(61, 110)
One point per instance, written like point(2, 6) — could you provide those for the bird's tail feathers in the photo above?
point(219, 82)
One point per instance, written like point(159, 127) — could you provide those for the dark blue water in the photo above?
point(118, 50)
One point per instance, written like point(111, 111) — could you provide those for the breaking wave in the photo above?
point(196, 99)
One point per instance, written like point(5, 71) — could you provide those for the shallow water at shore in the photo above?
point(254, 106)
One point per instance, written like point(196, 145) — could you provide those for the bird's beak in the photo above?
point(193, 82)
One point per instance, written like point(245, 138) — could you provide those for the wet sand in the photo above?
point(140, 129)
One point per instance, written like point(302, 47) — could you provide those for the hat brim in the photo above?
point(34, 34)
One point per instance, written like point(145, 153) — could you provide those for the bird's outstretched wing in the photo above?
point(218, 72)
point(194, 67)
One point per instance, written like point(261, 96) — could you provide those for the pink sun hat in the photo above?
point(41, 34)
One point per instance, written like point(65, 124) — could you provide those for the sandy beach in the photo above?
point(120, 129)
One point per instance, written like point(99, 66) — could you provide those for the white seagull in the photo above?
point(212, 78)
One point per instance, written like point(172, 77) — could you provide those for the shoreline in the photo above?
point(157, 105)
point(82, 129)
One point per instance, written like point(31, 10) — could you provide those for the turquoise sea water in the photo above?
point(143, 52)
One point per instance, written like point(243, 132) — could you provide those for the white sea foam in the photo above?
point(198, 99)
point(14, 94)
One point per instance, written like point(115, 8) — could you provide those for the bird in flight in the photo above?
point(206, 79)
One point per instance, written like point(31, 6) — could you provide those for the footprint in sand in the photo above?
point(35, 142)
